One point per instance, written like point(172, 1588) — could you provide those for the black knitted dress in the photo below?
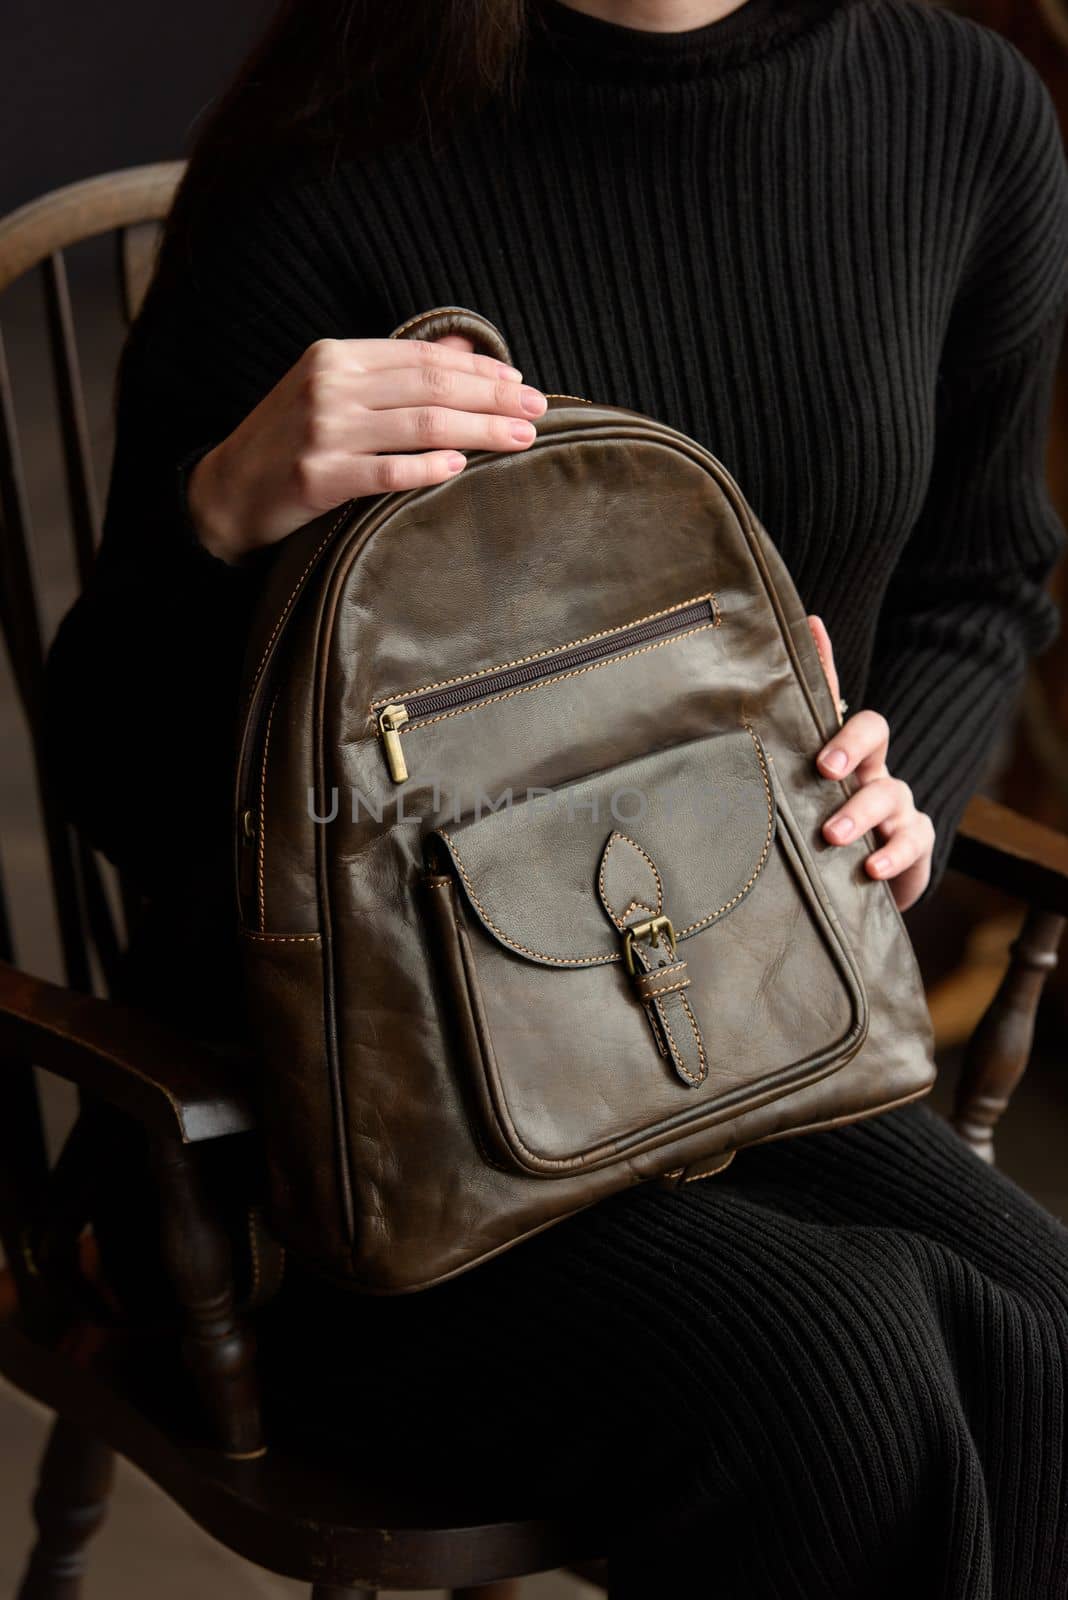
point(829, 240)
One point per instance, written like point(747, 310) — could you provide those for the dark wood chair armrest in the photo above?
point(170, 1086)
point(1026, 859)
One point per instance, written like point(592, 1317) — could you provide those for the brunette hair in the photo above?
point(345, 74)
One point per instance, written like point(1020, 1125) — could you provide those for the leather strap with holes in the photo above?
point(631, 892)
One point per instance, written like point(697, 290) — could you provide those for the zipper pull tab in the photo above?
point(390, 722)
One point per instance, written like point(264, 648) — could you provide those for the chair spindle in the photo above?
point(1000, 1048)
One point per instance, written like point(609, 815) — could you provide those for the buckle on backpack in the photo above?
point(652, 931)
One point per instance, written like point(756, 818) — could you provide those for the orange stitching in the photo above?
point(562, 961)
point(262, 851)
point(693, 927)
point(711, 1172)
point(287, 608)
point(556, 649)
point(615, 837)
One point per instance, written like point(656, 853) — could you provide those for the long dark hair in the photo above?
point(341, 74)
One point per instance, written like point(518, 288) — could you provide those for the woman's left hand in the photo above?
point(882, 803)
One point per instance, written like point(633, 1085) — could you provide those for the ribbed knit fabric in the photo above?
point(836, 1372)
point(829, 240)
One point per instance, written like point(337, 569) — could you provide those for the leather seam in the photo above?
point(254, 1251)
point(556, 649)
point(667, 988)
point(744, 890)
point(287, 608)
point(281, 938)
point(261, 874)
point(539, 955)
point(547, 683)
point(435, 311)
point(624, 838)
point(604, 960)
point(676, 1053)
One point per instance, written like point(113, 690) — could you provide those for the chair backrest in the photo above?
point(130, 207)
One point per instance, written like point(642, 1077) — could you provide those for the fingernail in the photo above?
point(880, 864)
point(834, 760)
point(455, 462)
point(523, 432)
point(842, 828)
point(532, 402)
point(510, 372)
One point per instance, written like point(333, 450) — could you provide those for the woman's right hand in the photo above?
point(355, 417)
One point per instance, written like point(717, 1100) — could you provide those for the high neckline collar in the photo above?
point(572, 44)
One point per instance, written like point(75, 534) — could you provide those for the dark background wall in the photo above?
point(88, 85)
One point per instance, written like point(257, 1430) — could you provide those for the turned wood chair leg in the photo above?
point(219, 1350)
point(70, 1503)
point(1000, 1048)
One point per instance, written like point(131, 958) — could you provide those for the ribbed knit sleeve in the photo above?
point(144, 673)
point(966, 607)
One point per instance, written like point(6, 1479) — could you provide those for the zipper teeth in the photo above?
point(428, 705)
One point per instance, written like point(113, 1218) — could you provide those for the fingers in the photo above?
point(859, 746)
point(885, 801)
point(389, 474)
point(909, 843)
point(436, 428)
point(403, 387)
point(824, 649)
point(886, 806)
point(377, 355)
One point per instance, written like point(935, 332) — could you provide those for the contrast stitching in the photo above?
point(693, 927)
point(547, 683)
point(287, 608)
point(425, 316)
point(556, 649)
point(593, 960)
point(638, 905)
point(281, 938)
point(697, 1036)
point(262, 852)
point(254, 1287)
point(667, 988)
point(625, 838)
point(710, 1172)
point(539, 955)
point(676, 1053)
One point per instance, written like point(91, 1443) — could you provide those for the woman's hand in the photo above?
point(882, 802)
point(355, 417)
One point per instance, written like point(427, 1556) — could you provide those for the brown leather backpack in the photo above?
point(534, 897)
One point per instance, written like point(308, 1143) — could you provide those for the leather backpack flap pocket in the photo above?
point(637, 955)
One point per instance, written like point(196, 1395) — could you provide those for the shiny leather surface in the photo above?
point(435, 1094)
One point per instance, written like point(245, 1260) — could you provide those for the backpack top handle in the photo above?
point(445, 320)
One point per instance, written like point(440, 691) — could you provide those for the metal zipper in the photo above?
point(488, 685)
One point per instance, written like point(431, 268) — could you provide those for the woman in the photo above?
point(828, 240)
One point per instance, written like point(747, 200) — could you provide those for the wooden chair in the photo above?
point(341, 1527)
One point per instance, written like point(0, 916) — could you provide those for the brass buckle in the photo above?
point(650, 930)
